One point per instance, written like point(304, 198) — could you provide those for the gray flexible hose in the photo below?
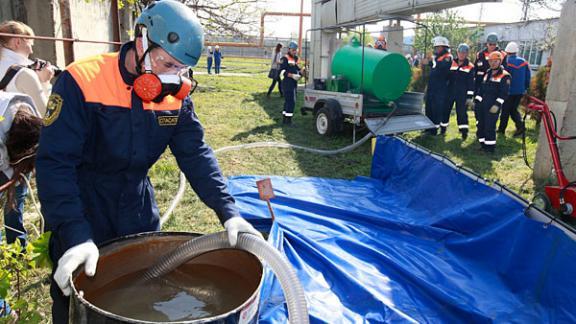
point(293, 290)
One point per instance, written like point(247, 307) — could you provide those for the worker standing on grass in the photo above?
point(217, 59)
point(109, 119)
point(209, 58)
point(519, 70)
point(489, 99)
point(290, 71)
point(437, 90)
point(461, 91)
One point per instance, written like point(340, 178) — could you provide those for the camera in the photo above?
point(39, 64)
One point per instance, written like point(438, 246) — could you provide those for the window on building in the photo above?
point(531, 52)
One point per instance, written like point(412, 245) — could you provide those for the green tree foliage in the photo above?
point(445, 23)
point(449, 24)
point(219, 17)
point(16, 267)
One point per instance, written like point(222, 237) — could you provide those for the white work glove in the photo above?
point(236, 225)
point(494, 109)
point(85, 253)
point(295, 76)
point(470, 104)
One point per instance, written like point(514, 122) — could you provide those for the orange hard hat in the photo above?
point(496, 55)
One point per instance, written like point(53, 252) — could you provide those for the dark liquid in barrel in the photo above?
point(190, 292)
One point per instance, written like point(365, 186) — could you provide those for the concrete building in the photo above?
point(89, 20)
point(535, 38)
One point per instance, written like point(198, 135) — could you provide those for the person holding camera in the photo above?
point(17, 72)
point(20, 75)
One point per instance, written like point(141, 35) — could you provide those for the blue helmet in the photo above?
point(463, 48)
point(174, 27)
point(492, 38)
point(293, 45)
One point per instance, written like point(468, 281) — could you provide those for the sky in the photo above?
point(505, 11)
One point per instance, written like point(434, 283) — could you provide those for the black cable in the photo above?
point(524, 153)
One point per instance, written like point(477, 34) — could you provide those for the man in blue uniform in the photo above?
point(489, 99)
point(481, 65)
point(109, 119)
point(519, 71)
point(437, 91)
point(290, 72)
point(461, 91)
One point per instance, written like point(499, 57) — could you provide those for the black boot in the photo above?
point(442, 130)
point(501, 132)
point(464, 134)
point(285, 120)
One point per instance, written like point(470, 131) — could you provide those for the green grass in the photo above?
point(235, 110)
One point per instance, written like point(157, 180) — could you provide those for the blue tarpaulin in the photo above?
point(418, 241)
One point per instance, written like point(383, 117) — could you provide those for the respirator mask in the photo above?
point(152, 87)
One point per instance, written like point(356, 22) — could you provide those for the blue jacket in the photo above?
point(289, 64)
point(96, 148)
point(493, 89)
point(481, 66)
point(519, 69)
point(440, 73)
point(218, 56)
point(461, 80)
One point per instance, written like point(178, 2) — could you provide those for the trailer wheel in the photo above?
point(325, 122)
point(542, 201)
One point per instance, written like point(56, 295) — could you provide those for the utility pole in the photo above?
point(301, 22)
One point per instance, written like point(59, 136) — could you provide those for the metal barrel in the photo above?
point(135, 253)
point(386, 74)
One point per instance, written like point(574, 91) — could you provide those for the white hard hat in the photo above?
point(217, 47)
point(512, 47)
point(440, 41)
point(209, 48)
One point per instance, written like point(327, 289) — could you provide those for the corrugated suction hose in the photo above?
point(293, 291)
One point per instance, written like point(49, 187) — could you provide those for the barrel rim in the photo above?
point(240, 308)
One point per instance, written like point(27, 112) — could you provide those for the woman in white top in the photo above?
point(20, 125)
point(16, 50)
point(274, 69)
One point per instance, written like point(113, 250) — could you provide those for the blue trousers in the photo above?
point(13, 216)
point(209, 65)
point(435, 106)
point(217, 66)
point(486, 127)
point(289, 98)
point(459, 98)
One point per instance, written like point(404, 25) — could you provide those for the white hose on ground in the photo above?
point(182, 185)
point(286, 275)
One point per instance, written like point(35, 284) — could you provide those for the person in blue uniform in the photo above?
point(489, 99)
point(519, 70)
point(218, 57)
point(460, 91)
point(481, 65)
point(209, 59)
point(109, 118)
point(437, 90)
point(290, 72)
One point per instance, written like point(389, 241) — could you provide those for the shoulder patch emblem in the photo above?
point(53, 108)
point(167, 120)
